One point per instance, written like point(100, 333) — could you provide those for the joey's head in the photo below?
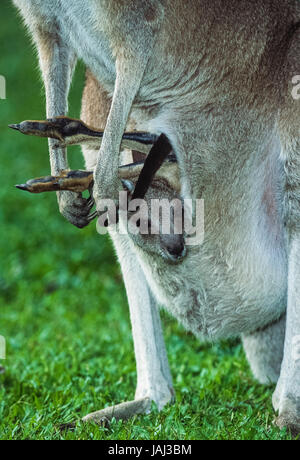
point(155, 224)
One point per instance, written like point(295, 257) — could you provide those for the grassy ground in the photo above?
point(64, 313)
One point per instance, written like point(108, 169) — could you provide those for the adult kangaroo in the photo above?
point(216, 77)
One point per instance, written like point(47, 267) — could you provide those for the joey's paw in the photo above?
point(76, 209)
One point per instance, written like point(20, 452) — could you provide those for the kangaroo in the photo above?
point(216, 78)
point(215, 305)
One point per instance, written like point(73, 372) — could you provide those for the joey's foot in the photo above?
point(124, 411)
point(66, 130)
point(76, 209)
point(69, 131)
point(74, 181)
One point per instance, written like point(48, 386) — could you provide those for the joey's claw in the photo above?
point(92, 216)
point(90, 203)
point(75, 208)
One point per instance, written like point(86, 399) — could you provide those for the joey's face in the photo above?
point(156, 224)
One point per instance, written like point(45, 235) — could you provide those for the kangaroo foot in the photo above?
point(69, 131)
point(122, 411)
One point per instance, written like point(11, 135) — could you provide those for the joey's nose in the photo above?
point(177, 253)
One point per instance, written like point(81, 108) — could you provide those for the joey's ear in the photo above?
point(128, 185)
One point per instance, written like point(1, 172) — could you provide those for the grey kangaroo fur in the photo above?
point(216, 78)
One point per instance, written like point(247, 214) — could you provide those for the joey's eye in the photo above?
point(138, 223)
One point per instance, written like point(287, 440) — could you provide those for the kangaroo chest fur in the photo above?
point(90, 28)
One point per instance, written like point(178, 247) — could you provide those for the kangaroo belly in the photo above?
point(235, 282)
point(213, 298)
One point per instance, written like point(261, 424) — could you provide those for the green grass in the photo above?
point(64, 313)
